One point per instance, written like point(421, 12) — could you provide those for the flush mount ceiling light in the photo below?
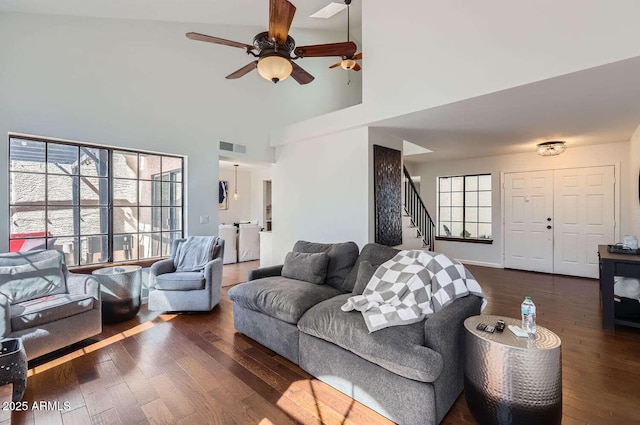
point(552, 148)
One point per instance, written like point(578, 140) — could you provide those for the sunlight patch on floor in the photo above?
point(99, 345)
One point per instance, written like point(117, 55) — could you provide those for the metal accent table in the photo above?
point(511, 380)
point(13, 366)
point(120, 288)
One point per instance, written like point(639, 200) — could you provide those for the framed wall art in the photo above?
point(223, 195)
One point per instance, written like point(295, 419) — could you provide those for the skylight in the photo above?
point(329, 10)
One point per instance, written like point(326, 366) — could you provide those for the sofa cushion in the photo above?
point(306, 266)
point(280, 297)
point(342, 257)
point(366, 270)
point(399, 349)
point(37, 312)
point(34, 277)
point(180, 281)
point(374, 253)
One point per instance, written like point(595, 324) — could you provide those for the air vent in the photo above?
point(226, 146)
point(232, 147)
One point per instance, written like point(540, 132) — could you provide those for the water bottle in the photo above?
point(528, 309)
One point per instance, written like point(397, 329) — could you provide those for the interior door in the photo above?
point(584, 218)
point(528, 221)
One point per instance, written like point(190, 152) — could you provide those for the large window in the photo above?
point(464, 209)
point(95, 204)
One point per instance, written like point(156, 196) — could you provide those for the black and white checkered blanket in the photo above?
point(411, 286)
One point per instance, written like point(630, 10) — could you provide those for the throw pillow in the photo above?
point(374, 253)
point(306, 266)
point(342, 257)
point(366, 270)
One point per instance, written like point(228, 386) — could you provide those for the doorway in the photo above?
point(555, 220)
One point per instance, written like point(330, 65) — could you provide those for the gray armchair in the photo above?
point(44, 304)
point(185, 291)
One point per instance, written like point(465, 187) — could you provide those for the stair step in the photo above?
point(411, 243)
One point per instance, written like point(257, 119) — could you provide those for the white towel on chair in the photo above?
point(195, 253)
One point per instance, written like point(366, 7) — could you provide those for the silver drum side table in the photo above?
point(120, 289)
point(511, 380)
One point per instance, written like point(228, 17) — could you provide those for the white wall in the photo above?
point(258, 177)
point(616, 154)
point(425, 53)
point(633, 222)
point(321, 191)
point(144, 85)
point(459, 49)
point(239, 209)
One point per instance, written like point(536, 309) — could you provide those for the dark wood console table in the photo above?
point(614, 265)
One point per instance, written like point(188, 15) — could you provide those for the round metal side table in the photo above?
point(13, 366)
point(120, 287)
point(511, 380)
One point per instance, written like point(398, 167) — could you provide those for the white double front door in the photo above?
point(555, 220)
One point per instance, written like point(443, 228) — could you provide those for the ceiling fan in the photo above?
point(273, 48)
point(349, 61)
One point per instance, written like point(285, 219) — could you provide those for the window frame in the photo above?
point(464, 192)
point(77, 235)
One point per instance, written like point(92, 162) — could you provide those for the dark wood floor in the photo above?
point(195, 369)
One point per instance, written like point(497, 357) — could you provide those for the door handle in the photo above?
point(548, 218)
point(548, 227)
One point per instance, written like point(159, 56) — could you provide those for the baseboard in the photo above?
point(481, 263)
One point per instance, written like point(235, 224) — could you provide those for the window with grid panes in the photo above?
point(464, 207)
point(96, 204)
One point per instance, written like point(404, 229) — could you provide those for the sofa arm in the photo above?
point(5, 315)
point(158, 268)
point(444, 333)
point(83, 284)
point(263, 272)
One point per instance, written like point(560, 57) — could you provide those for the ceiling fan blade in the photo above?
point(281, 14)
point(217, 40)
point(242, 71)
point(335, 65)
point(357, 57)
point(300, 75)
point(346, 48)
point(356, 67)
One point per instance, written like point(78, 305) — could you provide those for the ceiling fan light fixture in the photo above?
point(551, 148)
point(348, 64)
point(274, 68)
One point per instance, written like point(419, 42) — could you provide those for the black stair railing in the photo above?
point(420, 217)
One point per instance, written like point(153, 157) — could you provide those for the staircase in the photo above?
point(418, 229)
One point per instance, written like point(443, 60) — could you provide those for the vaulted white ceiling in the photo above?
point(228, 12)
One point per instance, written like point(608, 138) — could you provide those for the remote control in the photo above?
point(481, 326)
point(500, 326)
point(490, 329)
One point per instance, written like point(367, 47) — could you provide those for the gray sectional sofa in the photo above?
point(411, 374)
